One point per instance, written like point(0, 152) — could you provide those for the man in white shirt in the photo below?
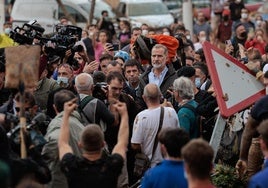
point(147, 122)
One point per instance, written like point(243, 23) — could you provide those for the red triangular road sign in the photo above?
point(236, 87)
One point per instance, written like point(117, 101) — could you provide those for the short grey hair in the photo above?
point(83, 82)
point(157, 46)
point(185, 87)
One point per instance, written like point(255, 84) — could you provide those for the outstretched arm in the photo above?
point(63, 142)
point(123, 134)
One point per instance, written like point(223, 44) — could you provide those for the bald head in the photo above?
point(152, 93)
point(83, 83)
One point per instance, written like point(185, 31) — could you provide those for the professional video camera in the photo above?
point(63, 40)
point(35, 127)
point(27, 33)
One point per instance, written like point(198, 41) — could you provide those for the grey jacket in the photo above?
point(50, 150)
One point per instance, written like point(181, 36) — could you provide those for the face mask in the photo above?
point(238, 1)
point(243, 35)
point(197, 82)
point(7, 31)
point(244, 15)
point(63, 81)
point(202, 39)
point(144, 32)
point(225, 18)
point(188, 37)
point(258, 22)
point(166, 33)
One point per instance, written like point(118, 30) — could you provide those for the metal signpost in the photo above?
point(235, 86)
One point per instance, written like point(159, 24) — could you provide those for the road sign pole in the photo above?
point(217, 134)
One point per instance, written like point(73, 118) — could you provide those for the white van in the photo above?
point(152, 12)
point(47, 12)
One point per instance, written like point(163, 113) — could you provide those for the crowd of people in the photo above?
point(112, 103)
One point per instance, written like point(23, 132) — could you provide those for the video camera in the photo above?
point(62, 40)
point(27, 33)
point(35, 128)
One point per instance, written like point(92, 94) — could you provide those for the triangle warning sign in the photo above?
point(235, 86)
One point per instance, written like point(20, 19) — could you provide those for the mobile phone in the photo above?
point(228, 42)
point(115, 47)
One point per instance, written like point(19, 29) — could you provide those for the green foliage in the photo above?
point(225, 176)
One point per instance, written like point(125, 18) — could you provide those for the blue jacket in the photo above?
point(166, 174)
point(260, 180)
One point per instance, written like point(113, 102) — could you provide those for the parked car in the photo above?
point(47, 12)
point(204, 6)
point(152, 12)
point(175, 8)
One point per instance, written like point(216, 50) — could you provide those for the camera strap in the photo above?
point(82, 105)
point(162, 111)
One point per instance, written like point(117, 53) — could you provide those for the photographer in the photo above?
point(92, 109)
point(23, 171)
point(30, 107)
point(36, 122)
point(32, 168)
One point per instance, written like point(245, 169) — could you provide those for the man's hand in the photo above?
point(241, 167)
point(229, 48)
point(70, 106)
point(166, 104)
point(68, 53)
point(91, 67)
point(121, 108)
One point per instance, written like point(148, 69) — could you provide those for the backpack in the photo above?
point(87, 109)
point(198, 119)
point(205, 125)
point(86, 120)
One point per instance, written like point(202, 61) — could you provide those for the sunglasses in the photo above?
point(18, 109)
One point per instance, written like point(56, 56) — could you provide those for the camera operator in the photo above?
point(34, 167)
point(23, 171)
point(7, 119)
point(92, 109)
